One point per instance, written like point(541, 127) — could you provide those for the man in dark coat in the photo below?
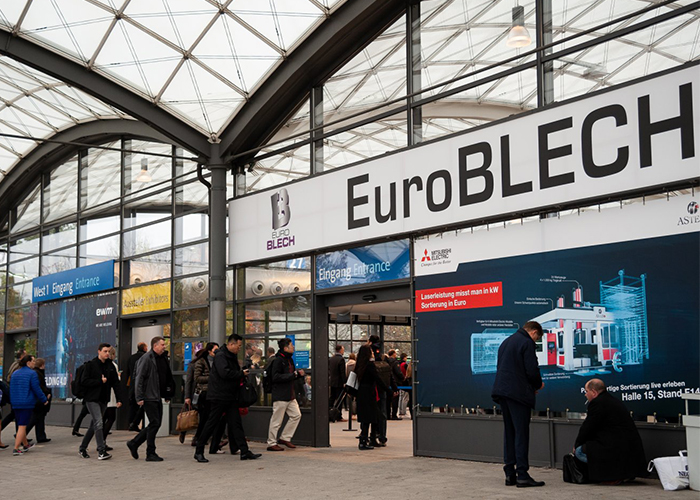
point(517, 381)
point(608, 440)
point(154, 382)
point(223, 389)
point(284, 401)
point(336, 370)
point(398, 379)
point(38, 421)
point(135, 411)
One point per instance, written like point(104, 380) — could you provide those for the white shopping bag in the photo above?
point(673, 471)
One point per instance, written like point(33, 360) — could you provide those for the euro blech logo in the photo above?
point(281, 214)
point(693, 216)
point(693, 207)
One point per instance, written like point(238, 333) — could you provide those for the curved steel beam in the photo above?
point(327, 49)
point(25, 174)
point(101, 88)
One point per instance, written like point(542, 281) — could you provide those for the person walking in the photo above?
point(223, 388)
point(26, 392)
point(398, 379)
point(135, 411)
point(8, 376)
point(188, 393)
point(338, 376)
point(38, 422)
point(98, 380)
point(201, 369)
point(154, 382)
point(111, 411)
point(284, 401)
point(517, 381)
point(368, 412)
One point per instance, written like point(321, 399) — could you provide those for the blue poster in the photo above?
point(188, 354)
point(362, 265)
point(80, 281)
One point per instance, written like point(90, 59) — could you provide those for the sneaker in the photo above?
point(103, 456)
point(83, 454)
point(153, 458)
point(108, 448)
point(29, 446)
point(133, 449)
point(17, 452)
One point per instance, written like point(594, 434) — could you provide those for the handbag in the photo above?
point(187, 419)
point(248, 394)
point(672, 471)
point(574, 470)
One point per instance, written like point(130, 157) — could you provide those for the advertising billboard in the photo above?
point(613, 304)
point(69, 333)
point(80, 281)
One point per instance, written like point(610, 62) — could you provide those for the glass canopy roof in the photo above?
point(202, 59)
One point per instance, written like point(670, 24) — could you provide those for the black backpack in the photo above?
point(384, 372)
point(76, 386)
point(267, 376)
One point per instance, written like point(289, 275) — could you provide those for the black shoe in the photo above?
point(182, 437)
point(134, 428)
point(529, 482)
point(133, 449)
point(375, 444)
point(510, 480)
point(249, 455)
point(199, 457)
point(43, 440)
point(103, 455)
point(365, 444)
point(76, 433)
point(153, 458)
point(83, 454)
point(108, 448)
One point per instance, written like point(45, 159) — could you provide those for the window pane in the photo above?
point(137, 217)
point(3, 253)
point(278, 315)
point(99, 176)
point(191, 323)
point(277, 278)
point(191, 227)
point(183, 354)
point(96, 227)
point(24, 270)
point(19, 295)
point(191, 196)
point(63, 260)
point(27, 214)
point(192, 259)
point(147, 239)
point(24, 247)
point(152, 267)
point(3, 283)
point(59, 237)
point(192, 291)
point(96, 251)
point(397, 332)
point(18, 319)
point(145, 173)
point(61, 191)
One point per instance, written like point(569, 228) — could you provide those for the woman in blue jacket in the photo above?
point(25, 392)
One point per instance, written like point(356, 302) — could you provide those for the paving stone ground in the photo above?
point(53, 471)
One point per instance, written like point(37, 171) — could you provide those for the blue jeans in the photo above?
point(96, 411)
point(578, 453)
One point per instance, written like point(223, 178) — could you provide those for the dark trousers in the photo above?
point(235, 427)
point(203, 410)
point(7, 420)
point(109, 419)
point(38, 422)
point(394, 406)
point(154, 412)
point(135, 411)
point(78, 421)
point(516, 437)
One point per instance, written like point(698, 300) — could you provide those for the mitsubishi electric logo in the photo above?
point(436, 257)
point(425, 256)
point(281, 215)
point(693, 217)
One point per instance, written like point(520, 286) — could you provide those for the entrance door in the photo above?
point(13, 343)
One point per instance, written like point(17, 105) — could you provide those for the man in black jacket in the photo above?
point(135, 411)
point(608, 440)
point(154, 382)
point(223, 388)
point(397, 380)
point(517, 381)
point(38, 421)
point(98, 379)
point(284, 399)
point(336, 369)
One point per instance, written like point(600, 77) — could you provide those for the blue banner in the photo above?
point(89, 279)
point(358, 266)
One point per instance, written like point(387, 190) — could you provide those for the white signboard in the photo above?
point(635, 137)
point(444, 253)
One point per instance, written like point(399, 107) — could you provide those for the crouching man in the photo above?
point(608, 440)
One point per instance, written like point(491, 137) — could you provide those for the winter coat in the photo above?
point(147, 380)
point(225, 377)
point(45, 389)
point(112, 394)
point(611, 441)
point(188, 391)
point(95, 391)
point(349, 367)
point(201, 374)
point(367, 405)
point(131, 371)
point(336, 368)
point(25, 389)
point(283, 376)
point(517, 371)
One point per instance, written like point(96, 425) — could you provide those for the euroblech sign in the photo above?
point(362, 265)
point(80, 281)
point(637, 136)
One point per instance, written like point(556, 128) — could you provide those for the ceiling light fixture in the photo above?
point(518, 35)
point(144, 176)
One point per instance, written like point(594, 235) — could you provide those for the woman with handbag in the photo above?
point(367, 395)
point(202, 365)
